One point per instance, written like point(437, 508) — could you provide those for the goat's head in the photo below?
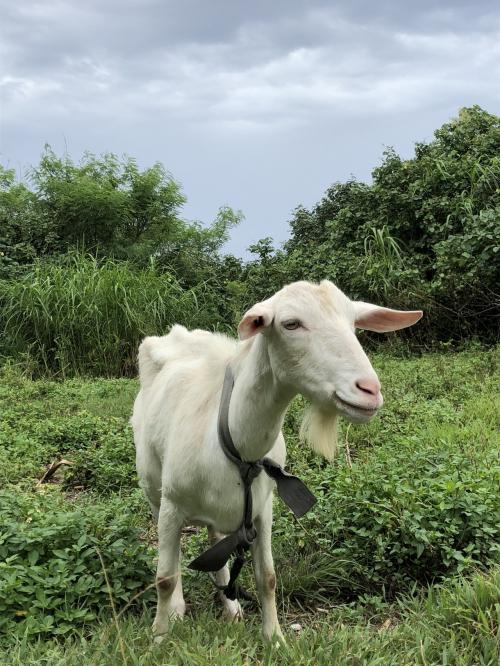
point(313, 349)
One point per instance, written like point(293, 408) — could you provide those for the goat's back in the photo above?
point(181, 377)
point(210, 352)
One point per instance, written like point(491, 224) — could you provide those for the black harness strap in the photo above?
point(291, 490)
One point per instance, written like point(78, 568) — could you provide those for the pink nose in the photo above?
point(369, 386)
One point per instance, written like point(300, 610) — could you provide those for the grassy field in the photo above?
point(397, 564)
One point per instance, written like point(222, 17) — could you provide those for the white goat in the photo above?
point(306, 345)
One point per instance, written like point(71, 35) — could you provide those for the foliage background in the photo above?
point(95, 255)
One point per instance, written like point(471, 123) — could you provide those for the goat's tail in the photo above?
point(151, 359)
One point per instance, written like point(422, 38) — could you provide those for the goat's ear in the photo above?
point(382, 320)
point(256, 320)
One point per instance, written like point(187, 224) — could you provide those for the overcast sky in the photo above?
point(256, 104)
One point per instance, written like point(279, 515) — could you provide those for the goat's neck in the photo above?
point(258, 403)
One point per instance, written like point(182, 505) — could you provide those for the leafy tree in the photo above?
point(193, 251)
point(266, 274)
point(425, 231)
point(107, 205)
point(24, 233)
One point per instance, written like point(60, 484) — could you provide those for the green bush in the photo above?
point(407, 516)
point(420, 501)
point(51, 577)
point(106, 464)
point(101, 451)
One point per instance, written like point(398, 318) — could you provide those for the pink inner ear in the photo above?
point(253, 322)
point(383, 320)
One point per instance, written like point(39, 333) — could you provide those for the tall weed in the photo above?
point(84, 317)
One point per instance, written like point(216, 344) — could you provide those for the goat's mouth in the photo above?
point(352, 411)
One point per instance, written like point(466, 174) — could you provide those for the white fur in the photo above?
point(181, 466)
point(319, 430)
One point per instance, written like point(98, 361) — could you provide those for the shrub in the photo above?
point(106, 464)
point(101, 450)
point(382, 527)
point(51, 576)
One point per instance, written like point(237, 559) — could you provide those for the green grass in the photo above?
point(395, 565)
point(457, 623)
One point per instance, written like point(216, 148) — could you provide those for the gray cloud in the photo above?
point(218, 88)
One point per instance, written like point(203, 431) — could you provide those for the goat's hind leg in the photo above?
point(148, 468)
point(232, 608)
point(168, 578)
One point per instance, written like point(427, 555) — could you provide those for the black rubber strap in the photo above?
point(232, 589)
point(291, 489)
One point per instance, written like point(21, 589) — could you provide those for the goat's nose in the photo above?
point(369, 386)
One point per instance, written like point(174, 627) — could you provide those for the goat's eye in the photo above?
point(291, 324)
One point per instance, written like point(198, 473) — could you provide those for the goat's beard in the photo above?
point(319, 431)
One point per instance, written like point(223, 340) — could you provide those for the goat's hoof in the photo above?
point(160, 630)
point(159, 633)
point(275, 639)
point(158, 638)
point(233, 610)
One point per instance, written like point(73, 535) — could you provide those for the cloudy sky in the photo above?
point(258, 104)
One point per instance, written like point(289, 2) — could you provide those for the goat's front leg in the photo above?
point(168, 575)
point(232, 608)
point(265, 577)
